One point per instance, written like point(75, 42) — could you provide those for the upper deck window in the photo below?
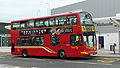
point(61, 21)
point(46, 22)
point(86, 18)
point(39, 23)
point(49, 22)
point(22, 25)
point(31, 23)
point(72, 20)
point(16, 25)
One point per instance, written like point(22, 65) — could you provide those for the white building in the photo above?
point(102, 11)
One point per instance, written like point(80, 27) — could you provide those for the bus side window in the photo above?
point(39, 23)
point(61, 21)
point(76, 39)
point(19, 41)
point(51, 21)
point(72, 20)
point(31, 24)
point(22, 25)
point(25, 41)
point(31, 41)
point(46, 22)
point(15, 25)
point(39, 40)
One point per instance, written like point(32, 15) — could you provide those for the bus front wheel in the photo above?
point(24, 53)
point(62, 54)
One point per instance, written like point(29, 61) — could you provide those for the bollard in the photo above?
point(99, 46)
point(111, 47)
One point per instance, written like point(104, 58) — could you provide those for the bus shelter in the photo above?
point(4, 41)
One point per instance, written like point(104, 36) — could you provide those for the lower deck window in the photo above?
point(39, 40)
point(30, 41)
point(76, 39)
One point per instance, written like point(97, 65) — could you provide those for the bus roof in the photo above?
point(48, 16)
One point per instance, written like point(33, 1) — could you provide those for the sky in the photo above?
point(23, 9)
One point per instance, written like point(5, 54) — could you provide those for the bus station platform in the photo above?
point(107, 53)
point(5, 49)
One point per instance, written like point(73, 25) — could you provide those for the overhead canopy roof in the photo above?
point(5, 21)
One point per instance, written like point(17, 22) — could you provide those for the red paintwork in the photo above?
point(71, 51)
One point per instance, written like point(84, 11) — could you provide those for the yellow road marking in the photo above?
point(105, 61)
point(109, 60)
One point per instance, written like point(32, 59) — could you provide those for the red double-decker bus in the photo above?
point(65, 35)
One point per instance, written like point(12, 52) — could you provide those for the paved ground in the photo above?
point(9, 61)
point(107, 53)
point(104, 59)
point(101, 52)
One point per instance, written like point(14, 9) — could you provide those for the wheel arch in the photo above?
point(24, 50)
point(60, 50)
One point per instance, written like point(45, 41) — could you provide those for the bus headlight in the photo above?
point(95, 48)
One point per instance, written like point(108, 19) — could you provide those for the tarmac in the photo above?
point(100, 52)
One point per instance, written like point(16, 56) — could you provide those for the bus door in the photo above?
point(13, 47)
point(75, 42)
point(101, 41)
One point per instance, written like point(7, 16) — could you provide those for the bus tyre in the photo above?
point(62, 54)
point(24, 53)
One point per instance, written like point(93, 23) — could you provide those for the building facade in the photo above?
point(102, 11)
point(99, 8)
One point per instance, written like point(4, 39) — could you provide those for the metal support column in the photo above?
point(119, 42)
point(1, 41)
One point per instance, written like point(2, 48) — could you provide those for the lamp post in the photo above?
point(38, 12)
point(48, 8)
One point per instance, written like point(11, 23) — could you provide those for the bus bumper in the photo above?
point(90, 53)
